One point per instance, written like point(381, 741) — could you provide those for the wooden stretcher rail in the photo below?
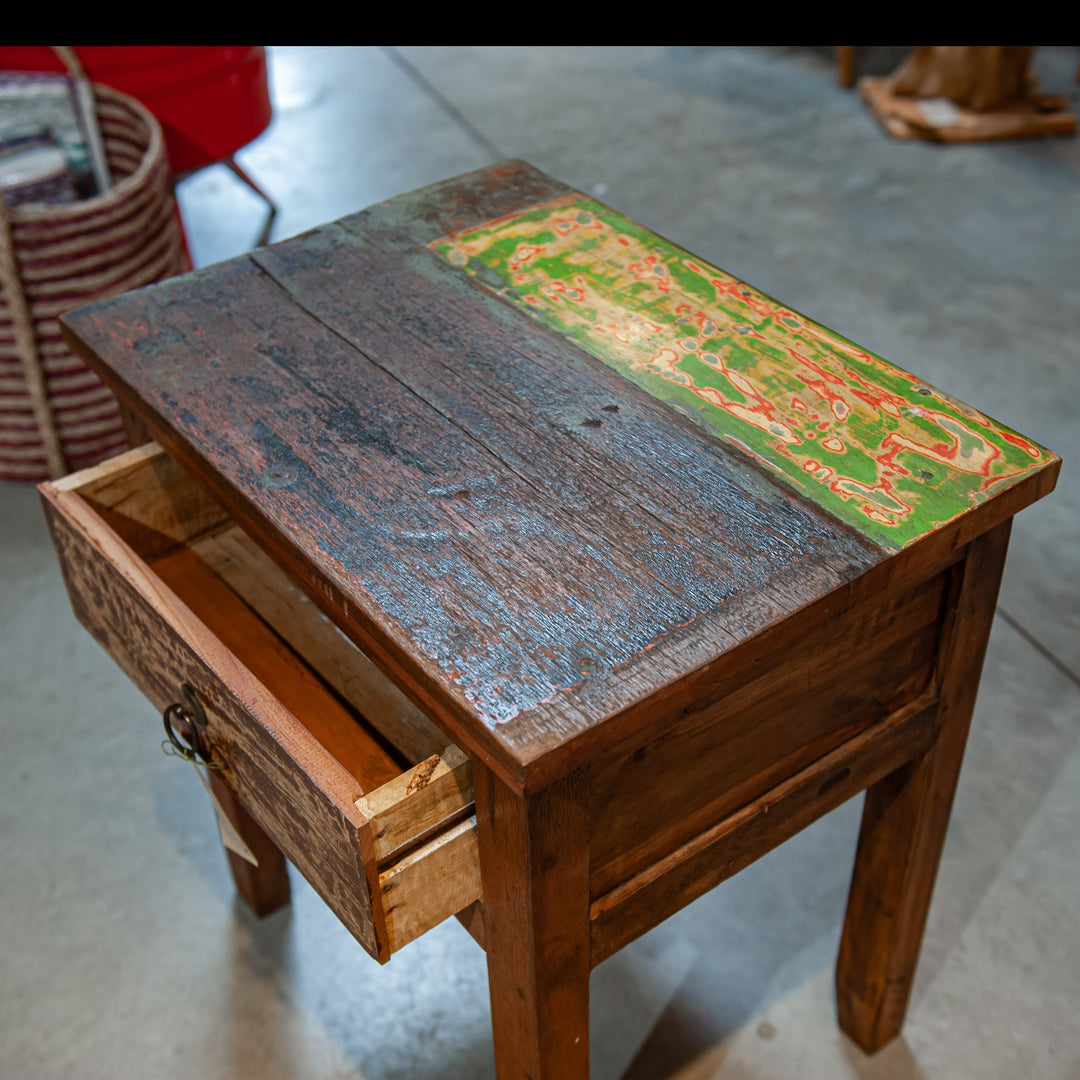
point(721, 851)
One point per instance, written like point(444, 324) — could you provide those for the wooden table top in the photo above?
point(544, 466)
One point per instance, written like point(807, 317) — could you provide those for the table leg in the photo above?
point(264, 888)
point(534, 863)
point(845, 65)
point(905, 819)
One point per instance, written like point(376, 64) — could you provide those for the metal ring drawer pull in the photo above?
point(183, 720)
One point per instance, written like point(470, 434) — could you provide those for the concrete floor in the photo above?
point(122, 950)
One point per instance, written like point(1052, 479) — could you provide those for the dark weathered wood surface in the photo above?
point(528, 541)
point(528, 544)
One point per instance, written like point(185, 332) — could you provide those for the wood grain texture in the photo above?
point(534, 868)
point(462, 202)
point(905, 819)
point(552, 590)
point(295, 685)
point(612, 466)
point(147, 499)
point(472, 918)
point(113, 472)
point(134, 429)
point(734, 843)
point(411, 806)
point(431, 883)
point(652, 793)
point(536, 551)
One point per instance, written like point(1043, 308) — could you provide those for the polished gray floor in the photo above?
point(122, 950)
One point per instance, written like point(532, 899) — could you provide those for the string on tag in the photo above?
point(171, 750)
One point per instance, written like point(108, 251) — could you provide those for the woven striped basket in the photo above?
point(56, 415)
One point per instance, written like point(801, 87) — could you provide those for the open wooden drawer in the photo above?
point(350, 780)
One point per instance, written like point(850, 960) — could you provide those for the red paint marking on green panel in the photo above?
point(872, 444)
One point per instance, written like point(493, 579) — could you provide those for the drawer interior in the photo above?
point(384, 768)
point(265, 620)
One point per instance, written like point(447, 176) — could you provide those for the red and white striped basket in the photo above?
point(56, 415)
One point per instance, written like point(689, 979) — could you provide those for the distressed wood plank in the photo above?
point(877, 447)
point(430, 884)
point(701, 522)
point(711, 530)
point(462, 202)
point(424, 798)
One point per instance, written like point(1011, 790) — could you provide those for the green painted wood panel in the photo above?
point(883, 451)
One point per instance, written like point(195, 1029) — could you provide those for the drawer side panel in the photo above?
point(290, 785)
point(760, 727)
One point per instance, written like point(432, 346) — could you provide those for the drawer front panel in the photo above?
point(296, 791)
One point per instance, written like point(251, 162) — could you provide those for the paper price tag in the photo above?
point(229, 836)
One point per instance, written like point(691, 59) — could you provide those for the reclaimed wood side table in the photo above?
point(500, 558)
